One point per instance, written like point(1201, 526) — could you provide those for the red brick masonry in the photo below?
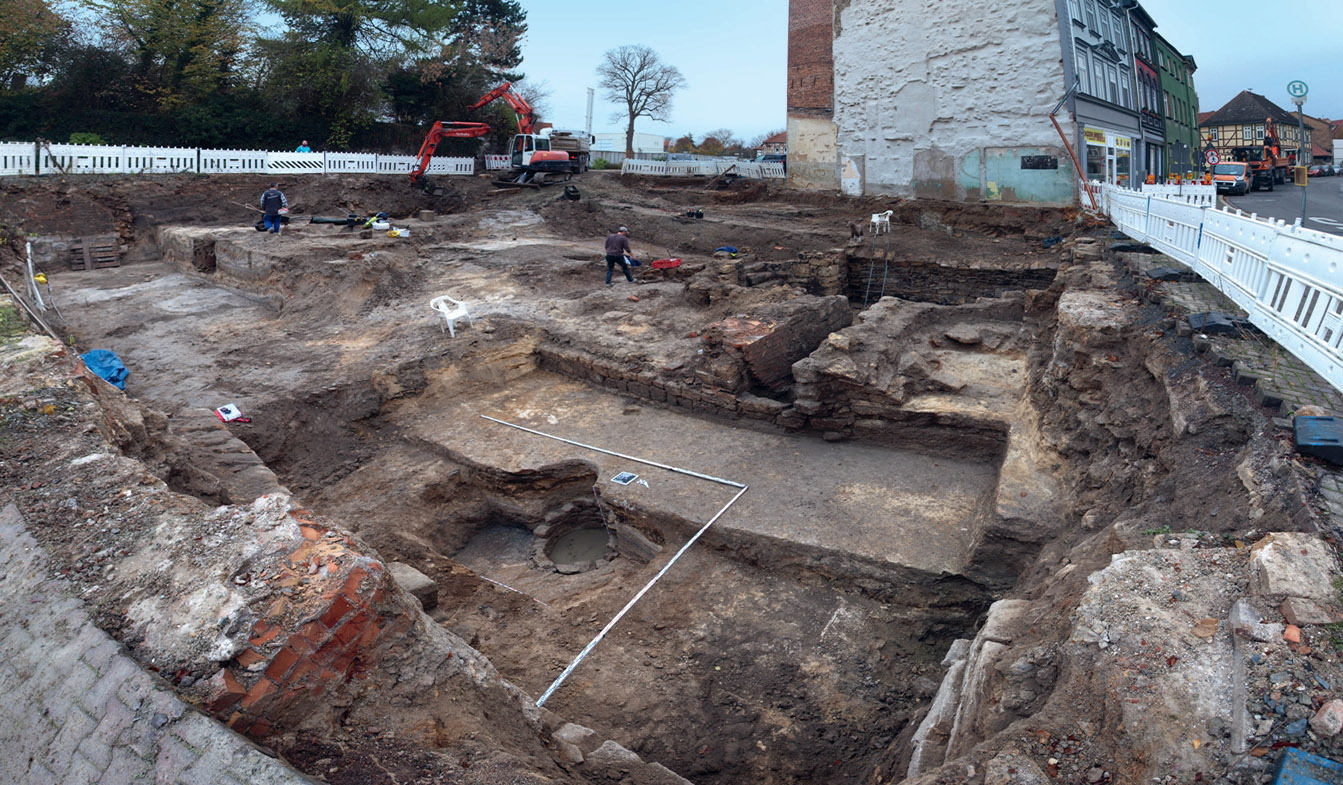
point(329, 626)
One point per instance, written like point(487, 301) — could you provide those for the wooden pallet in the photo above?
point(88, 253)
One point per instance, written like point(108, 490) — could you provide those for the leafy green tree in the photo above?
point(487, 34)
point(377, 30)
point(31, 29)
point(181, 50)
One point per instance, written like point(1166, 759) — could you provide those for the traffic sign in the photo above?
point(1297, 88)
point(1212, 157)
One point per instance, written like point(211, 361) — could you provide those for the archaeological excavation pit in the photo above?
point(891, 446)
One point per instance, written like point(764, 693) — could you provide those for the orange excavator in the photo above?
point(1266, 162)
point(537, 159)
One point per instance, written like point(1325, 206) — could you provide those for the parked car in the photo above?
point(1315, 171)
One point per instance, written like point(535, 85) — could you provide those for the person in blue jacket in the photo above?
point(272, 202)
point(303, 148)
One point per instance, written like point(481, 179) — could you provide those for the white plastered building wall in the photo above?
point(941, 99)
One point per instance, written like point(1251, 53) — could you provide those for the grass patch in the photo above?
point(13, 324)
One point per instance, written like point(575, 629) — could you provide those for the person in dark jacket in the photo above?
point(272, 202)
point(617, 251)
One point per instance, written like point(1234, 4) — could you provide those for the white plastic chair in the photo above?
point(452, 310)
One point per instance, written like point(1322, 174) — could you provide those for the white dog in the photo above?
point(880, 220)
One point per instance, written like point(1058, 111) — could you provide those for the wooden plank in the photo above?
point(89, 253)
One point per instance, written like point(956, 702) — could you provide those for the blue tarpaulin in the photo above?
point(108, 365)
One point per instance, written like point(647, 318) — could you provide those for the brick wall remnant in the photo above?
point(102, 717)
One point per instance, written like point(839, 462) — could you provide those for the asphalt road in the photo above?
point(1324, 204)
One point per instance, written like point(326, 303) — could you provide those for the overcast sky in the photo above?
point(734, 55)
point(1231, 42)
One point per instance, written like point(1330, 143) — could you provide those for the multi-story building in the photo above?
point(950, 99)
point(1242, 122)
point(1179, 106)
point(1322, 140)
point(1151, 147)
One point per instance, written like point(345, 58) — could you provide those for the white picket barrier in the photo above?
point(1288, 279)
point(232, 162)
point(1128, 211)
point(396, 164)
point(1233, 255)
point(1173, 227)
point(458, 166)
point(18, 158)
point(704, 168)
point(160, 160)
point(632, 166)
point(82, 159)
point(497, 162)
point(350, 163)
point(1194, 193)
point(404, 164)
point(295, 163)
point(1301, 304)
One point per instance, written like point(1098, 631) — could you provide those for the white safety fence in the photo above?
point(1289, 279)
point(748, 169)
point(17, 158)
point(30, 158)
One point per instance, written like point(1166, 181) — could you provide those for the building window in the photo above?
point(1246, 133)
point(1090, 6)
point(1098, 75)
point(1125, 92)
point(1114, 82)
point(1074, 11)
point(1212, 134)
point(1083, 69)
point(1259, 132)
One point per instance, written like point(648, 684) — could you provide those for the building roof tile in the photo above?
point(1247, 107)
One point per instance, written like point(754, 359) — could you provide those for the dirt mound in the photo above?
point(132, 207)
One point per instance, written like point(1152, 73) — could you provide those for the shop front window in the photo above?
point(1096, 162)
point(1122, 167)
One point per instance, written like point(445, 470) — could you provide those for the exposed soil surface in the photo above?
point(970, 449)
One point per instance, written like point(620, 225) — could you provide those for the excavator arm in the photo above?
point(437, 133)
point(527, 124)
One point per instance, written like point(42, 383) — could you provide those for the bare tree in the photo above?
point(758, 140)
point(636, 77)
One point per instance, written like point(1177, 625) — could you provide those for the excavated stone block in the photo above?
point(421, 586)
point(1293, 564)
point(1328, 721)
point(1002, 614)
point(1012, 768)
point(1301, 612)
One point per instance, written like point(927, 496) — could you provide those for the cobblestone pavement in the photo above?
point(75, 708)
point(1279, 378)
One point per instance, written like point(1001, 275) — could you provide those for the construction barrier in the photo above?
point(17, 158)
point(1284, 276)
point(31, 158)
point(231, 162)
point(749, 169)
point(497, 162)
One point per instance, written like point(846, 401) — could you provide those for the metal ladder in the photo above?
point(872, 269)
